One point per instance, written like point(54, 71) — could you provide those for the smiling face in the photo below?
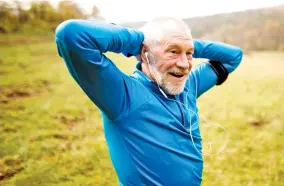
point(171, 62)
point(169, 45)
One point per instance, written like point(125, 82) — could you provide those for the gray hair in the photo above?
point(159, 27)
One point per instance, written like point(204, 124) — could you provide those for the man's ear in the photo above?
point(143, 56)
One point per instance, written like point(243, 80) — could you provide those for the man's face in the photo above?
point(171, 62)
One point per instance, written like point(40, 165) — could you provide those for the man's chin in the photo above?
point(173, 89)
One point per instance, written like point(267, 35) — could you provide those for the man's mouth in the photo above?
point(177, 75)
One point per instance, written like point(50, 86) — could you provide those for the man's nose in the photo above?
point(183, 62)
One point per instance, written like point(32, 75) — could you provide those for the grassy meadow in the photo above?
point(51, 133)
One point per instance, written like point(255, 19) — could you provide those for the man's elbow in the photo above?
point(66, 30)
point(237, 59)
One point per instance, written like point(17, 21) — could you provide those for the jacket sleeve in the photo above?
point(203, 75)
point(81, 43)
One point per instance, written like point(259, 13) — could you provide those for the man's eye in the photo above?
point(189, 53)
point(173, 51)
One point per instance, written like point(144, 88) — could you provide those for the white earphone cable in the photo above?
point(190, 127)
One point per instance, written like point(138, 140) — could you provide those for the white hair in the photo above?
point(159, 27)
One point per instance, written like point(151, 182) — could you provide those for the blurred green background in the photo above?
point(51, 133)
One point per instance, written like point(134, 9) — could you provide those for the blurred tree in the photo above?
point(44, 11)
point(95, 11)
point(23, 16)
point(9, 18)
point(252, 30)
point(69, 9)
point(95, 14)
point(40, 15)
point(5, 17)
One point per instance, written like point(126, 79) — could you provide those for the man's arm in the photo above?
point(81, 44)
point(229, 57)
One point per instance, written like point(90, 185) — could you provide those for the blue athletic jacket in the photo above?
point(147, 134)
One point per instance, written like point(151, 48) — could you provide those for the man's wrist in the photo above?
point(134, 43)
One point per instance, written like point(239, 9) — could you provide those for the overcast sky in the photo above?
point(142, 10)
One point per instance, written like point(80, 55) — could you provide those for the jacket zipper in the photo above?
point(181, 110)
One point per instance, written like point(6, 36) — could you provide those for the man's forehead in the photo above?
point(180, 41)
point(177, 35)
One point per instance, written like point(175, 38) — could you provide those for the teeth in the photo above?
point(176, 74)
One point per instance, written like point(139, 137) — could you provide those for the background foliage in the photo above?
point(51, 133)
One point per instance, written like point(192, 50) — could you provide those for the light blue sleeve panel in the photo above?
point(204, 76)
point(81, 44)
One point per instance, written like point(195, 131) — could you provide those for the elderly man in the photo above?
point(150, 118)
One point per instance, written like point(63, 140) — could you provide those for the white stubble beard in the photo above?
point(161, 80)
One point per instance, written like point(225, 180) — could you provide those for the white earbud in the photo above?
point(146, 54)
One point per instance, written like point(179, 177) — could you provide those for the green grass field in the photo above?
point(51, 133)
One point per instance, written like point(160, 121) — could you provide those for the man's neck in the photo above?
point(145, 69)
